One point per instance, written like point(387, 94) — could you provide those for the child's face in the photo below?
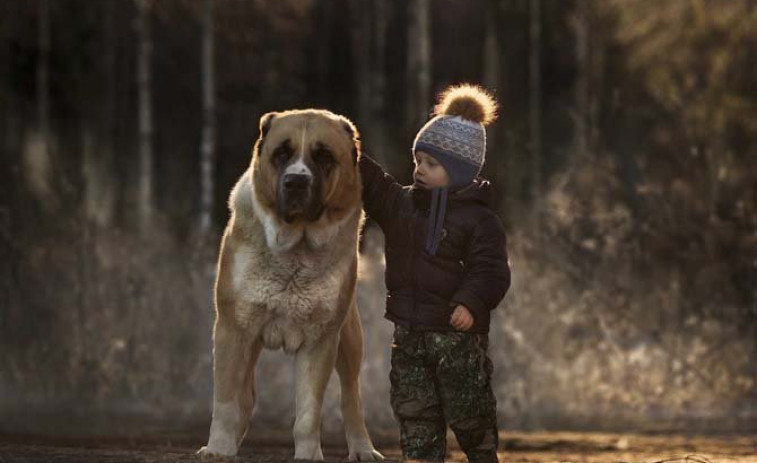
point(428, 173)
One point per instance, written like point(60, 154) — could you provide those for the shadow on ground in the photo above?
point(514, 447)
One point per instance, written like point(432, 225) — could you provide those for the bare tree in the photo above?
point(7, 97)
point(534, 66)
point(43, 75)
point(491, 48)
point(324, 20)
point(37, 160)
point(360, 16)
point(145, 123)
point(379, 79)
point(581, 117)
point(368, 35)
point(7, 170)
point(98, 170)
point(492, 80)
point(208, 142)
point(419, 62)
point(109, 108)
point(492, 75)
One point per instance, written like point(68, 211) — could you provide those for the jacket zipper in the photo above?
point(416, 319)
point(416, 258)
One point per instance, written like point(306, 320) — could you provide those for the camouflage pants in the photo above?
point(439, 379)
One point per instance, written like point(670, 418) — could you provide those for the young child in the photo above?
point(446, 269)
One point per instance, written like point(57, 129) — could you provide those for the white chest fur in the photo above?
point(287, 301)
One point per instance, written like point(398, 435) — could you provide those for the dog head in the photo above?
point(305, 165)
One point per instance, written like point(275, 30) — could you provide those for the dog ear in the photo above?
point(350, 128)
point(265, 125)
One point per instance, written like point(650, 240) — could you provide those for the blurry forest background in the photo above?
point(624, 164)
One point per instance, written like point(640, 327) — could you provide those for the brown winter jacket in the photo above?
point(470, 266)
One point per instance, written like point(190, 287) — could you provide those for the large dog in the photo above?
point(287, 275)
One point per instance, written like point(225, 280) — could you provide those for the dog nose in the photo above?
point(296, 181)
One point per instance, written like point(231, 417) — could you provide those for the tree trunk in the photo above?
point(144, 82)
point(582, 80)
point(360, 18)
point(7, 172)
point(491, 49)
point(378, 83)
point(419, 63)
point(208, 143)
point(109, 108)
point(534, 62)
point(324, 26)
point(7, 96)
point(595, 53)
point(492, 74)
point(43, 76)
point(98, 169)
point(37, 160)
point(424, 63)
point(368, 50)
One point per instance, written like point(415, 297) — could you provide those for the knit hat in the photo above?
point(455, 137)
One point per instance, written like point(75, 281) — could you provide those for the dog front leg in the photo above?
point(234, 358)
point(313, 369)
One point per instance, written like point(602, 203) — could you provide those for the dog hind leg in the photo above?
point(349, 357)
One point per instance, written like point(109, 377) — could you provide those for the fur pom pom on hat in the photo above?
point(456, 135)
point(470, 102)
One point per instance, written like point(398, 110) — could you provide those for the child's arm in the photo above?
point(487, 276)
point(381, 192)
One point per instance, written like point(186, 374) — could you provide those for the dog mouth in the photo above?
point(293, 210)
point(298, 202)
point(292, 205)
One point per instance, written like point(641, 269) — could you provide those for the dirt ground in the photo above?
point(515, 447)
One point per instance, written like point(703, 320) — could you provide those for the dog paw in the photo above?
point(308, 452)
point(366, 455)
point(212, 452)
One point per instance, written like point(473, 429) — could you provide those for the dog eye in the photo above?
point(281, 155)
point(323, 157)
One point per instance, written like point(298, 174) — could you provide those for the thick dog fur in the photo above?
point(287, 275)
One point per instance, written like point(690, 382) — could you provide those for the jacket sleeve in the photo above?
point(487, 276)
point(381, 192)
